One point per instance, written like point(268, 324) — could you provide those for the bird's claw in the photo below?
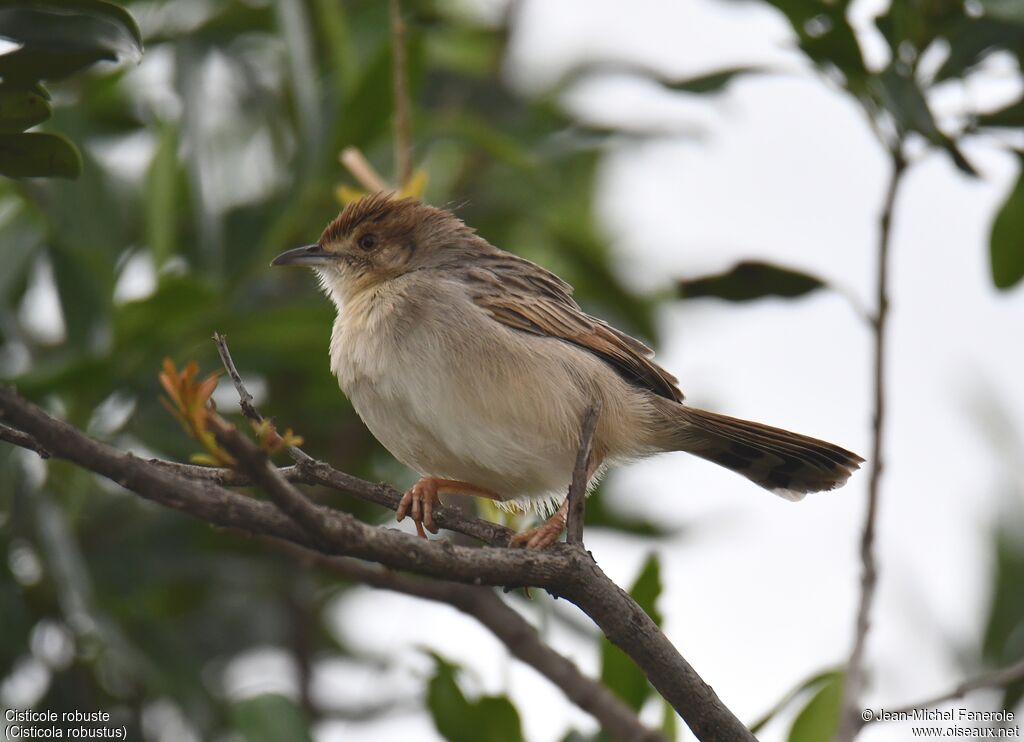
point(540, 537)
point(418, 503)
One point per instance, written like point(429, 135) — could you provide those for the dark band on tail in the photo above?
point(789, 464)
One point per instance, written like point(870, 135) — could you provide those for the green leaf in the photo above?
point(61, 37)
point(811, 683)
point(973, 39)
point(270, 718)
point(819, 719)
point(1007, 241)
point(903, 98)
point(827, 37)
point(1012, 116)
point(918, 23)
point(21, 108)
point(36, 155)
point(457, 719)
point(1002, 643)
point(750, 280)
point(618, 671)
point(712, 82)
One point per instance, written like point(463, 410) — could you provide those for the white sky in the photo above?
point(760, 593)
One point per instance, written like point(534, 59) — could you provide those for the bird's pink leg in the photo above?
point(546, 533)
point(419, 501)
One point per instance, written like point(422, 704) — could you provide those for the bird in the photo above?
point(474, 367)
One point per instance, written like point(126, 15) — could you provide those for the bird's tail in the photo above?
point(788, 464)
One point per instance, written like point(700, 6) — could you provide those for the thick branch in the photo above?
point(615, 717)
point(562, 570)
point(578, 489)
point(850, 718)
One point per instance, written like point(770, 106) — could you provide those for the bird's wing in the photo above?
point(526, 297)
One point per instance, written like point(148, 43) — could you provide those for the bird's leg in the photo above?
point(546, 533)
point(420, 499)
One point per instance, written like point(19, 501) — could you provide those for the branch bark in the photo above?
point(521, 638)
point(23, 441)
point(563, 570)
point(850, 720)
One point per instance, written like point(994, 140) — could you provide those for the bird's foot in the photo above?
point(418, 502)
point(543, 535)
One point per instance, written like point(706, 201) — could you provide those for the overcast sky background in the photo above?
point(760, 593)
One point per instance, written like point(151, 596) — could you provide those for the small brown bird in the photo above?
point(474, 367)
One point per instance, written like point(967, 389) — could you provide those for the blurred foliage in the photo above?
point(1003, 640)
point(55, 39)
point(199, 164)
point(811, 685)
point(270, 718)
point(897, 97)
point(1008, 237)
point(618, 671)
point(493, 718)
point(819, 719)
point(751, 279)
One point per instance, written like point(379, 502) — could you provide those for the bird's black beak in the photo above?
point(308, 257)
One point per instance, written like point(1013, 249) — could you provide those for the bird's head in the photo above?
point(377, 239)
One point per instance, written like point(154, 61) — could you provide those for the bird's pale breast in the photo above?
point(451, 393)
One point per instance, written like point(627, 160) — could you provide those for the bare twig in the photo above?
point(223, 477)
point(363, 171)
point(996, 679)
point(853, 683)
point(400, 91)
point(578, 488)
point(507, 625)
point(563, 570)
point(22, 440)
point(245, 400)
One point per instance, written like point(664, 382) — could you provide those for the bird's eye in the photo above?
point(368, 241)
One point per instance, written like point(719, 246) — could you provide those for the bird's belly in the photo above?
point(439, 427)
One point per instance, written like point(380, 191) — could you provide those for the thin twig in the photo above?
point(996, 679)
point(224, 477)
point(578, 488)
point(245, 400)
point(853, 684)
point(563, 570)
point(363, 171)
point(521, 638)
point(22, 440)
point(400, 91)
